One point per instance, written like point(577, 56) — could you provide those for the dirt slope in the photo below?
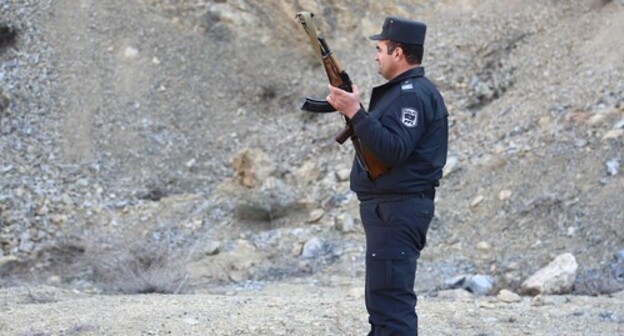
point(124, 117)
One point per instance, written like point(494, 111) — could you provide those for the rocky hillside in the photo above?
point(157, 146)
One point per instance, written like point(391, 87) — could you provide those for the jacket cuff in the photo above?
point(359, 116)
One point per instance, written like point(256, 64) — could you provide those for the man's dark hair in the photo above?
point(413, 52)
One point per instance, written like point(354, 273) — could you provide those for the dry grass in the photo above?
point(139, 267)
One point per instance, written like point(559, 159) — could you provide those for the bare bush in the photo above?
point(140, 267)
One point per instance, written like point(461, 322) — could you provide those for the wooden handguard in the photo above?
point(334, 73)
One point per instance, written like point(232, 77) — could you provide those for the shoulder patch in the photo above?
point(409, 116)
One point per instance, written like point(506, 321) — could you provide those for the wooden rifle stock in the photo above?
point(339, 78)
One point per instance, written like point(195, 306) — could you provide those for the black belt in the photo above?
point(428, 194)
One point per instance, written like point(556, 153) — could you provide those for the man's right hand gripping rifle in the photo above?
point(344, 97)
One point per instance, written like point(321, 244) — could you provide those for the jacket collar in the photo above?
point(418, 71)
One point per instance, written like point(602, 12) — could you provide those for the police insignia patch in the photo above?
point(407, 85)
point(409, 117)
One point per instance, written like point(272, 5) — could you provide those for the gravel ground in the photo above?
point(297, 309)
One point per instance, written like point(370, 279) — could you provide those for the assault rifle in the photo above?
point(338, 78)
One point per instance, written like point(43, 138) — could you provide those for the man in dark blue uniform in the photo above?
point(406, 128)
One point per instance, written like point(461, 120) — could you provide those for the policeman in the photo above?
point(406, 128)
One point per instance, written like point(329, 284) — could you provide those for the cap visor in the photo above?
point(377, 37)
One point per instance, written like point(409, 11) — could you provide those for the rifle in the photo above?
point(339, 78)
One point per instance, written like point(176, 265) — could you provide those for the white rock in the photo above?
point(190, 163)
point(479, 284)
point(345, 223)
point(508, 296)
point(315, 215)
point(131, 52)
point(613, 134)
point(613, 167)
point(483, 246)
point(476, 201)
point(556, 278)
point(343, 175)
point(312, 248)
point(452, 165)
point(504, 195)
point(8, 260)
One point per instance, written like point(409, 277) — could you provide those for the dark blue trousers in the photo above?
point(396, 231)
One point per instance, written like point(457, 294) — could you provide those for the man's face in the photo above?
point(386, 63)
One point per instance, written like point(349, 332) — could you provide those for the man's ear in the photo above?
point(398, 53)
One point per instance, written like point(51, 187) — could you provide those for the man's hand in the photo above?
point(347, 103)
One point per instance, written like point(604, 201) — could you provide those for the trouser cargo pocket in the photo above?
point(391, 269)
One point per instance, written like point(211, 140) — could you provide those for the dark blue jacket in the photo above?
point(407, 129)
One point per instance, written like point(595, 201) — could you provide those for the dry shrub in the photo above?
point(140, 267)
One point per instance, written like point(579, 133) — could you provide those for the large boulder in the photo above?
point(253, 192)
point(556, 278)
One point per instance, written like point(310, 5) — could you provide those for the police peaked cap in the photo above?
point(402, 30)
